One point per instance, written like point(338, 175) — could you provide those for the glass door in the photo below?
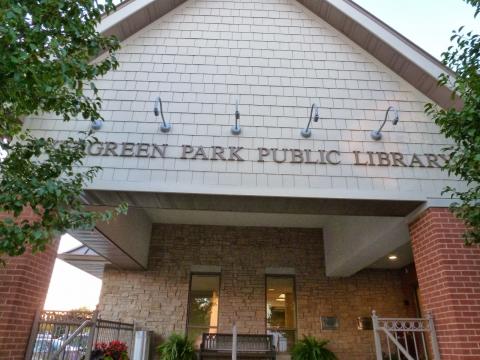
point(281, 311)
point(203, 306)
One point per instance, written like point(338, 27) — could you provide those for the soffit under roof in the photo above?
point(254, 204)
point(413, 64)
point(85, 259)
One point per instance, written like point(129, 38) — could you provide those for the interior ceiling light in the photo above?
point(392, 257)
point(271, 289)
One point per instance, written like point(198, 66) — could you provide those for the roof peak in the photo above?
point(398, 53)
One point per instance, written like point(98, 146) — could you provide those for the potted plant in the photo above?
point(114, 350)
point(176, 347)
point(310, 348)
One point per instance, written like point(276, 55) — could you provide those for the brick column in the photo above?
point(449, 282)
point(23, 287)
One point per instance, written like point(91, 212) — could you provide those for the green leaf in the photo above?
point(461, 126)
point(45, 73)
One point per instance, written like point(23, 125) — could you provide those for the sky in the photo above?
point(428, 23)
point(71, 288)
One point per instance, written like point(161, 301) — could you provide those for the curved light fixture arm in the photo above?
point(307, 132)
point(236, 128)
point(390, 108)
point(377, 134)
point(158, 110)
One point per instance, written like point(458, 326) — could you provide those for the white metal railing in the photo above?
point(405, 338)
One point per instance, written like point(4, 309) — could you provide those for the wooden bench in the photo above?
point(248, 346)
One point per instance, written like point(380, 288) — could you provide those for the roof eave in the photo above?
point(133, 16)
point(402, 56)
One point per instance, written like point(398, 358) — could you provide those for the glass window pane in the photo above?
point(203, 306)
point(204, 300)
point(280, 311)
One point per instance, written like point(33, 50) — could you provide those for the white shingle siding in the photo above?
point(277, 58)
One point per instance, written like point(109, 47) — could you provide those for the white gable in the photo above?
point(276, 58)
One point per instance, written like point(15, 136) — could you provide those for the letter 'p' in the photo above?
point(262, 152)
point(186, 149)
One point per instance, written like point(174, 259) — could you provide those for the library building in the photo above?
point(282, 181)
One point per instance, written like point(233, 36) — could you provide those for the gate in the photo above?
point(70, 335)
point(405, 338)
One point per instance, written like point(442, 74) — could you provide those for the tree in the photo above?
point(463, 125)
point(46, 66)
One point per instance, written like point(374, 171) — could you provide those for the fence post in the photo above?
point(33, 335)
point(131, 348)
point(433, 337)
point(234, 341)
point(378, 344)
point(91, 336)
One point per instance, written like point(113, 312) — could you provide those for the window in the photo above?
point(281, 311)
point(203, 306)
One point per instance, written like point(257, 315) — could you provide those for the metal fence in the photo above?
point(71, 335)
point(106, 331)
point(405, 338)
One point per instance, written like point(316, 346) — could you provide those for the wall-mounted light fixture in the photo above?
point(158, 110)
point(377, 134)
point(306, 133)
point(236, 128)
point(96, 124)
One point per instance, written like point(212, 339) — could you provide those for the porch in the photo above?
point(285, 266)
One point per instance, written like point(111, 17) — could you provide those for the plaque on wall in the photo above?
point(364, 323)
point(329, 322)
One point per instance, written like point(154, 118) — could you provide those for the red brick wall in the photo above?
point(449, 281)
point(23, 288)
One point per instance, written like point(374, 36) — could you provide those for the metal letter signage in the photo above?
point(279, 156)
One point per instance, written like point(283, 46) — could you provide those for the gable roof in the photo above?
point(133, 15)
point(406, 59)
point(409, 61)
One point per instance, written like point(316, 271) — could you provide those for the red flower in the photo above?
point(115, 349)
point(102, 346)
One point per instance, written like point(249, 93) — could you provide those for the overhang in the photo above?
point(357, 233)
point(133, 15)
point(124, 241)
point(351, 243)
point(85, 259)
point(254, 204)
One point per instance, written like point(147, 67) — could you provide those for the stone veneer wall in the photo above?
point(156, 299)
